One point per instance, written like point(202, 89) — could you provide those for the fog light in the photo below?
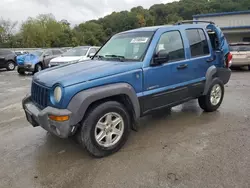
point(59, 118)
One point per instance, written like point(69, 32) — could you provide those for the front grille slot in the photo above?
point(39, 95)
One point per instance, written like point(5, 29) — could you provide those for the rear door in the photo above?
point(200, 52)
point(223, 49)
point(47, 59)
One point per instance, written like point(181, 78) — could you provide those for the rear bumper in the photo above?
point(37, 117)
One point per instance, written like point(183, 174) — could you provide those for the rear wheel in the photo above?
point(11, 66)
point(214, 97)
point(105, 129)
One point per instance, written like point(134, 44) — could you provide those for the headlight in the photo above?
point(58, 94)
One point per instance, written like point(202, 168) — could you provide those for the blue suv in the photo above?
point(133, 74)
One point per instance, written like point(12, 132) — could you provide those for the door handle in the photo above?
point(183, 66)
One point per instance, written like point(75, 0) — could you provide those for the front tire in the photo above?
point(105, 129)
point(21, 71)
point(11, 66)
point(212, 101)
point(38, 68)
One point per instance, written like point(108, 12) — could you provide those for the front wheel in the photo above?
point(11, 66)
point(105, 129)
point(21, 71)
point(213, 99)
point(38, 68)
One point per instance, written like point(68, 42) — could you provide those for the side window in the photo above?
point(173, 44)
point(198, 42)
point(56, 52)
point(92, 50)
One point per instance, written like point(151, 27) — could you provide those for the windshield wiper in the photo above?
point(99, 57)
point(121, 58)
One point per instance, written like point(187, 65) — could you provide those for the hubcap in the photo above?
point(215, 95)
point(11, 66)
point(109, 129)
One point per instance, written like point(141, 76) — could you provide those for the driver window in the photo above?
point(173, 44)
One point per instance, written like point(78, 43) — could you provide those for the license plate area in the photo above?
point(30, 118)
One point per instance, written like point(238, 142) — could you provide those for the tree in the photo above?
point(46, 31)
point(7, 28)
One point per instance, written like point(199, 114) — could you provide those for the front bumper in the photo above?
point(27, 67)
point(37, 117)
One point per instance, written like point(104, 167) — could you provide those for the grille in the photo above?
point(39, 95)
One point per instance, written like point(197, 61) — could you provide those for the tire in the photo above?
point(20, 71)
point(249, 67)
point(205, 101)
point(38, 68)
point(90, 132)
point(11, 66)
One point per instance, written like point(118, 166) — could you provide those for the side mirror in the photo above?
point(91, 55)
point(161, 57)
point(45, 55)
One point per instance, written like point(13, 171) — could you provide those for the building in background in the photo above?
point(235, 25)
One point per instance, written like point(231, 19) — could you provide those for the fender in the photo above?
point(81, 101)
point(223, 74)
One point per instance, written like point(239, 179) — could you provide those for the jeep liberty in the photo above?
point(133, 74)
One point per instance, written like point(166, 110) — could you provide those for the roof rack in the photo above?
point(192, 21)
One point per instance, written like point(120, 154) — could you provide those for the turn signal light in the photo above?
point(59, 118)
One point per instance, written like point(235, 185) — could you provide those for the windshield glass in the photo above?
point(37, 53)
point(128, 46)
point(78, 51)
point(242, 48)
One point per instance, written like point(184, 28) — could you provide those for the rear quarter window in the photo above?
point(198, 42)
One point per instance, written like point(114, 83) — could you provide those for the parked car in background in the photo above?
point(241, 54)
point(65, 49)
point(76, 54)
point(37, 60)
point(7, 59)
point(135, 73)
point(20, 52)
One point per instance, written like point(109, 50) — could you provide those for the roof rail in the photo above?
point(192, 21)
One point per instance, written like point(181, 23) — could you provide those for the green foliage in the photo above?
point(46, 31)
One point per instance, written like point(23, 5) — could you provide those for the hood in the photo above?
point(28, 58)
point(83, 71)
point(65, 59)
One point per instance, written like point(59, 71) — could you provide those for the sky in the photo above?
point(75, 11)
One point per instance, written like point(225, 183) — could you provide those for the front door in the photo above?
point(167, 84)
point(49, 56)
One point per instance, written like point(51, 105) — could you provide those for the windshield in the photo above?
point(242, 48)
point(78, 51)
point(126, 46)
point(37, 53)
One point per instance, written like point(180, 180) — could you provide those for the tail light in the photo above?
point(229, 60)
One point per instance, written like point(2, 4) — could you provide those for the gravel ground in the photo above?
point(183, 148)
